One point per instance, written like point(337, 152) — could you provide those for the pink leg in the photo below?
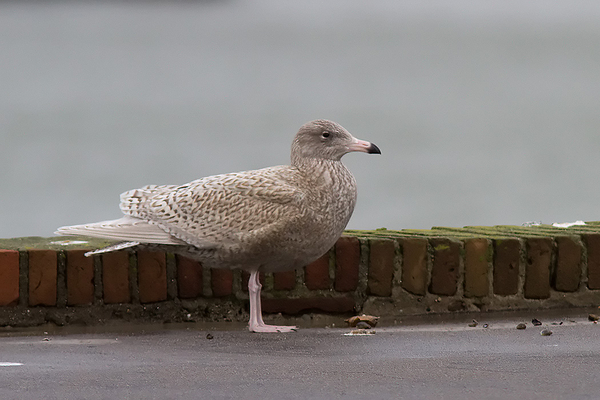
point(256, 323)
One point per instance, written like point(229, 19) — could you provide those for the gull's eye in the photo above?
point(325, 134)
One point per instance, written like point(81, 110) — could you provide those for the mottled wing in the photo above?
point(217, 209)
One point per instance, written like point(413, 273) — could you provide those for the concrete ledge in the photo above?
point(382, 272)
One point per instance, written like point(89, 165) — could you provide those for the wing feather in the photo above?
point(216, 209)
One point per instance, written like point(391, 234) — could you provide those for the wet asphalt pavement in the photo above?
point(440, 360)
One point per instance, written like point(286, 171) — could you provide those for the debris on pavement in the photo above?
point(474, 323)
point(546, 331)
point(593, 317)
point(521, 326)
point(364, 323)
point(536, 322)
point(369, 319)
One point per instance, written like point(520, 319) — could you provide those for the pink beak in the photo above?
point(364, 146)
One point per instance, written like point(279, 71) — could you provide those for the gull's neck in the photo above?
point(324, 171)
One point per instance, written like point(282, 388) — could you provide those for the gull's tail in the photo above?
point(131, 230)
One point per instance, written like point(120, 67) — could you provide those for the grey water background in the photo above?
point(485, 112)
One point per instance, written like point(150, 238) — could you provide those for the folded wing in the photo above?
point(216, 209)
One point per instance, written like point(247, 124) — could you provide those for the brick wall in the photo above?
point(389, 273)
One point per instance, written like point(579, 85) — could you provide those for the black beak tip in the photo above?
point(373, 149)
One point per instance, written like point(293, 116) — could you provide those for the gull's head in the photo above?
point(322, 139)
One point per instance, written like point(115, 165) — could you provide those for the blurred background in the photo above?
point(485, 112)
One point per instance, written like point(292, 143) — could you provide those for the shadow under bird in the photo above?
point(268, 220)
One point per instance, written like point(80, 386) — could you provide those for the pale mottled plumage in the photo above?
point(271, 219)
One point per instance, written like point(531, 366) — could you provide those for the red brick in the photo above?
point(152, 276)
point(9, 277)
point(246, 278)
point(284, 280)
point(381, 267)
point(115, 277)
point(568, 264)
point(414, 265)
point(444, 271)
point(592, 242)
point(80, 278)
point(221, 281)
point(476, 267)
point(42, 277)
point(507, 256)
point(189, 277)
point(347, 260)
point(316, 274)
point(343, 304)
point(537, 272)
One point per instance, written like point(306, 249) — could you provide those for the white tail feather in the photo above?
point(127, 228)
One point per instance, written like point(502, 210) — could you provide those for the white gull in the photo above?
point(267, 220)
